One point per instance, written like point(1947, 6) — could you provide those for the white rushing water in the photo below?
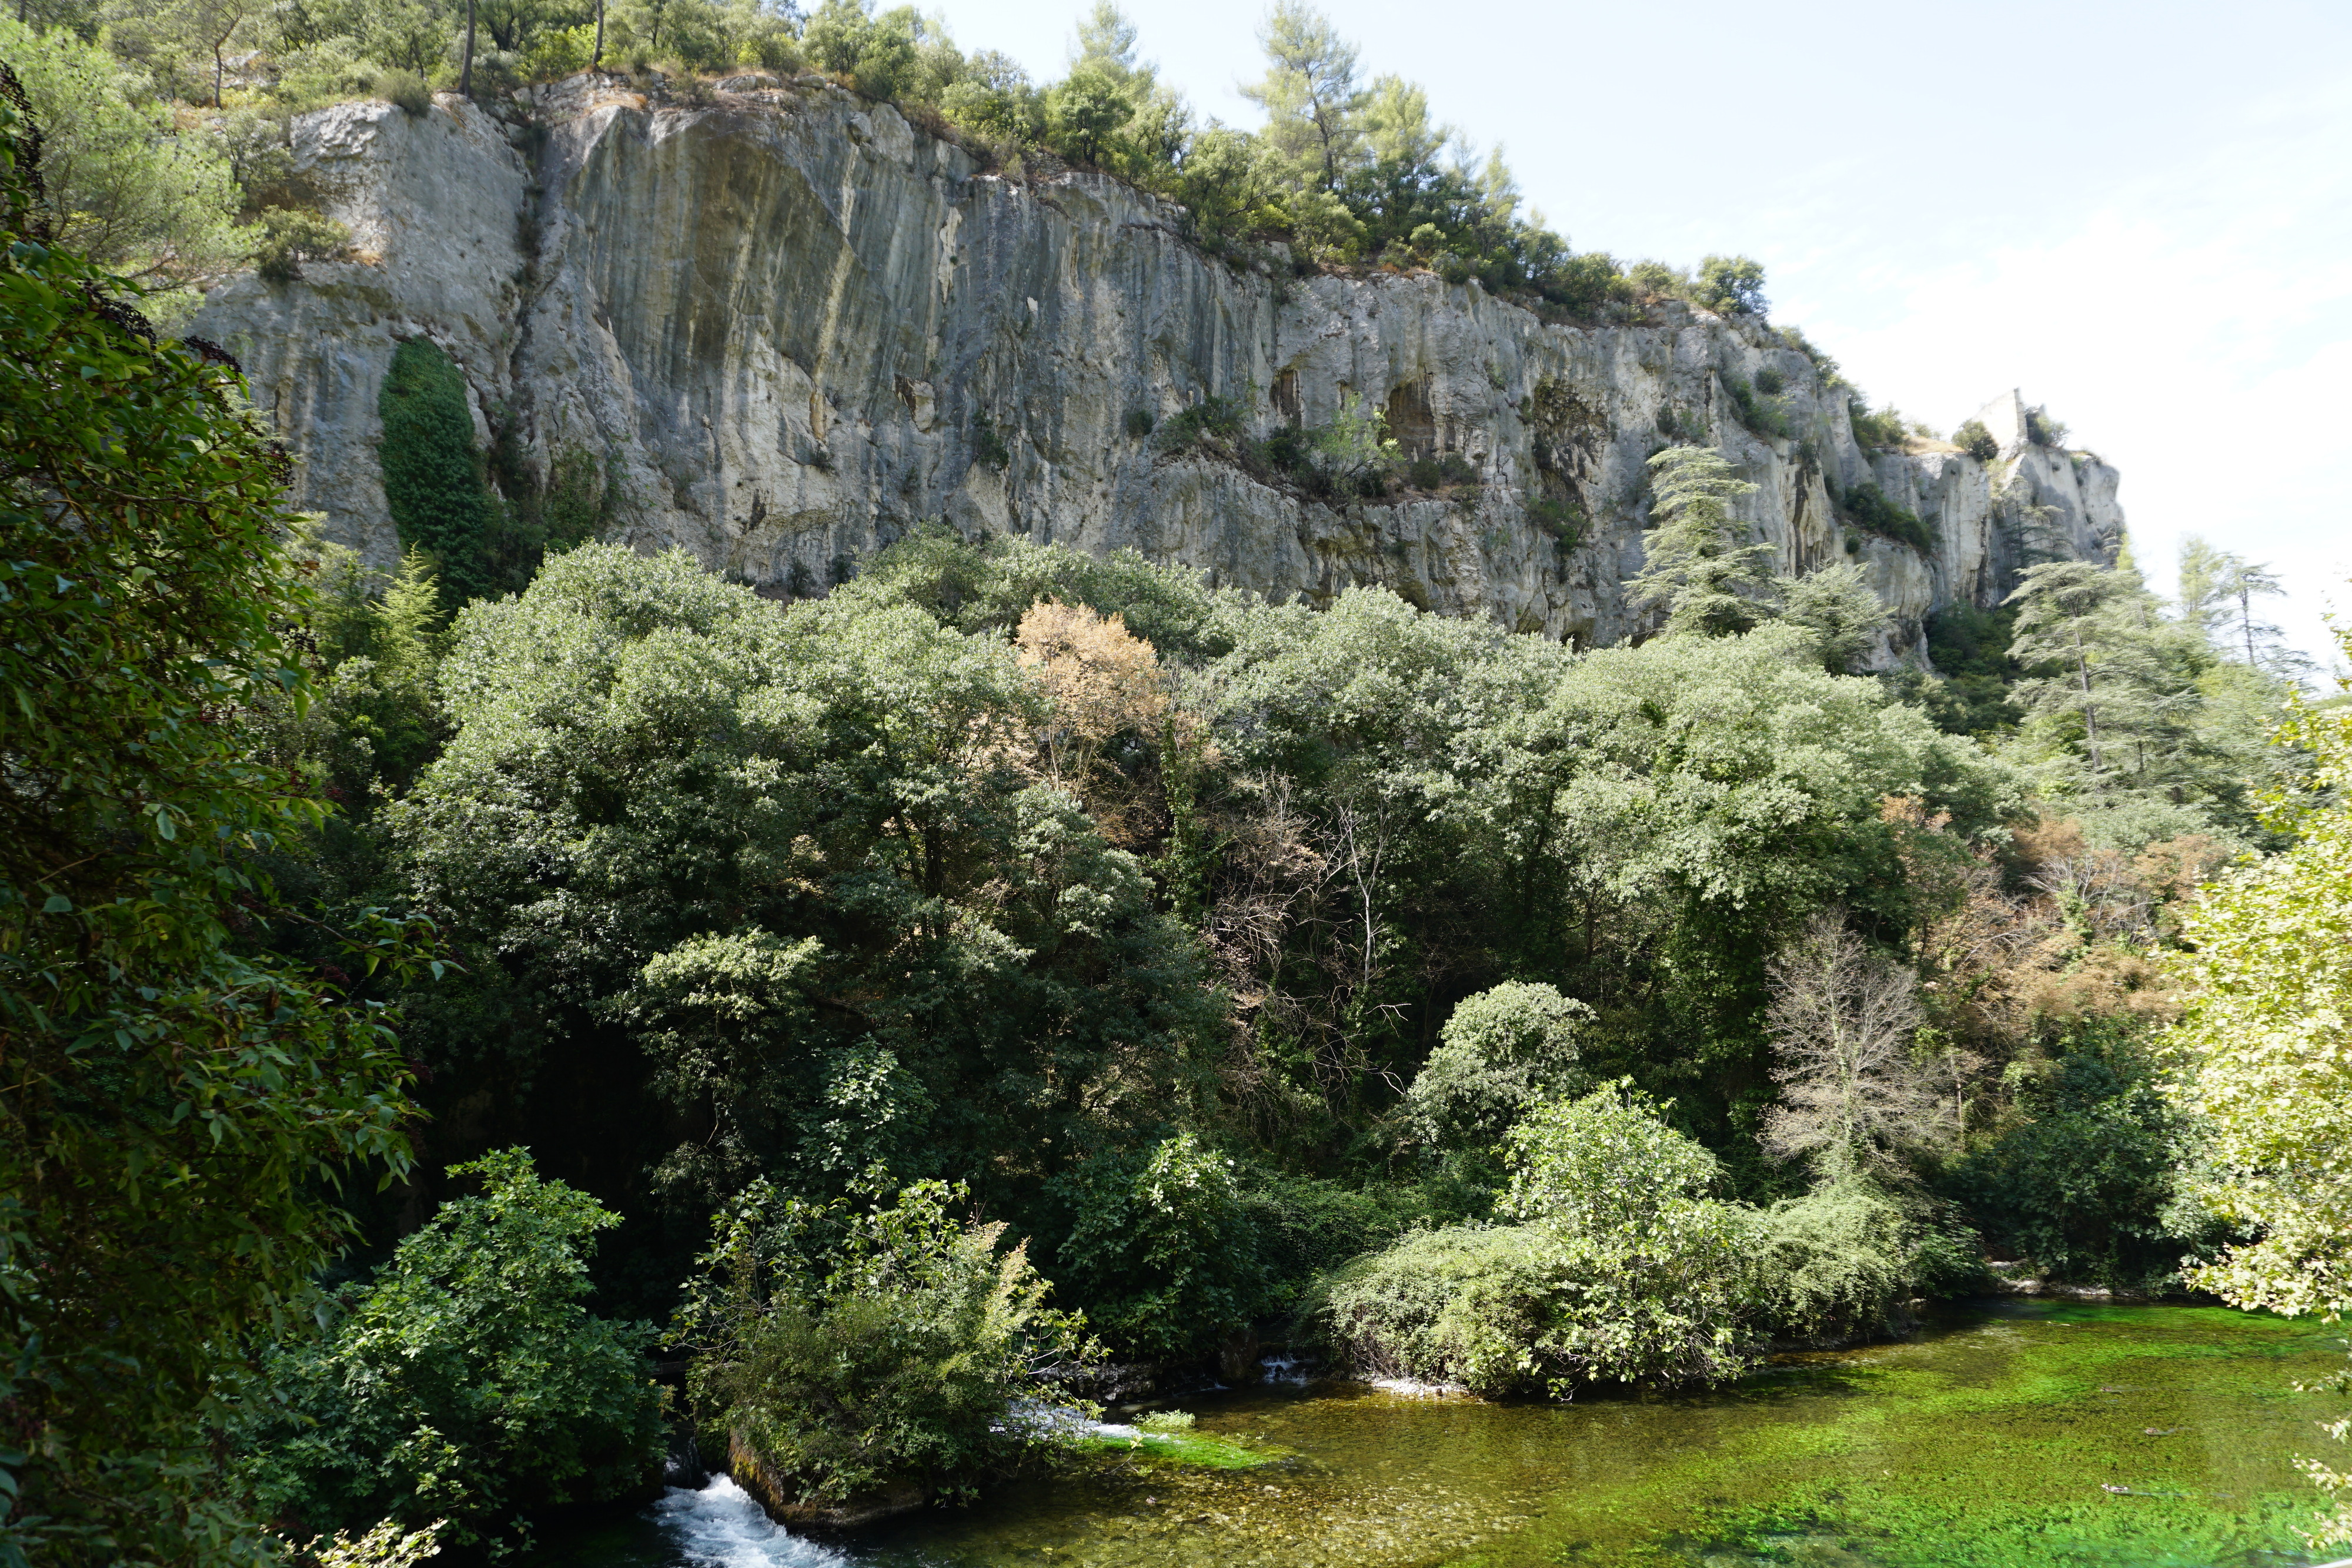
point(721, 1526)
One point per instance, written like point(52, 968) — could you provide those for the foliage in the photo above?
point(1834, 1264)
point(291, 236)
point(2042, 430)
point(2088, 1180)
point(179, 1105)
point(388, 1545)
point(432, 481)
point(1708, 584)
point(1838, 610)
point(1730, 285)
point(2127, 719)
point(1502, 1053)
point(798, 874)
point(467, 1381)
point(1885, 428)
point(839, 1350)
point(1621, 1271)
point(1161, 1247)
point(406, 89)
point(124, 188)
point(2263, 1048)
point(1974, 439)
point(1870, 508)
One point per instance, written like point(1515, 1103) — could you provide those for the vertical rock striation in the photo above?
point(788, 326)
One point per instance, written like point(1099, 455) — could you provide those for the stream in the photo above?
point(2007, 1434)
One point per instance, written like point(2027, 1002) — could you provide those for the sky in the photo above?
point(2138, 215)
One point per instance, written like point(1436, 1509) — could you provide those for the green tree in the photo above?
point(467, 1381)
point(1502, 1053)
point(1162, 1249)
point(1309, 95)
point(791, 873)
point(843, 1352)
point(1693, 567)
point(1730, 285)
point(1837, 606)
point(180, 1106)
point(124, 187)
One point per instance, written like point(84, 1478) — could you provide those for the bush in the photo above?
point(1757, 413)
point(1833, 1264)
point(1622, 1270)
point(1501, 1052)
point(1161, 1249)
point(407, 89)
point(1869, 506)
point(1885, 428)
point(1140, 423)
point(2044, 431)
point(1770, 382)
point(1210, 419)
point(1729, 286)
point(291, 236)
point(1306, 1226)
point(2088, 1184)
point(1975, 439)
point(467, 1381)
point(432, 475)
point(843, 1351)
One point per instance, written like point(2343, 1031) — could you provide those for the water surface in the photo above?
point(2018, 1435)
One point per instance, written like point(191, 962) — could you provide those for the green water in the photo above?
point(1988, 1441)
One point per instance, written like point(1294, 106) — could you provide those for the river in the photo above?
point(2010, 1435)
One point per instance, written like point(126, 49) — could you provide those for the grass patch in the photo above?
point(1195, 1448)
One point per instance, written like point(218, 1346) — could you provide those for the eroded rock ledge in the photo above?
point(790, 326)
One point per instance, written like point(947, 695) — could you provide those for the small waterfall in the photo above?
point(1282, 1369)
point(721, 1526)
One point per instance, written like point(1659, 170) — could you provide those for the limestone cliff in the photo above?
point(790, 326)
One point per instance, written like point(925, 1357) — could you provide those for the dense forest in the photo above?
point(472, 1025)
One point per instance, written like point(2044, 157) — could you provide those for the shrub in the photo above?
point(1770, 382)
point(1757, 413)
point(841, 1352)
point(1583, 284)
point(1975, 439)
point(407, 89)
point(2088, 1184)
point(467, 1381)
point(1729, 286)
point(1869, 506)
point(291, 236)
point(988, 448)
point(1140, 423)
point(1563, 520)
point(1501, 1052)
point(1160, 1249)
point(1887, 427)
point(1306, 1226)
point(2044, 431)
point(1210, 419)
point(1622, 1270)
point(432, 475)
point(1833, 1264)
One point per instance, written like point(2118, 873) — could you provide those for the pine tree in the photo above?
point(1693, 564)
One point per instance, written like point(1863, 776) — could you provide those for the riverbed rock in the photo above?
point(789, 327)
point(755, 1475)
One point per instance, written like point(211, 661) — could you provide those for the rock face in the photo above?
point(788, 327)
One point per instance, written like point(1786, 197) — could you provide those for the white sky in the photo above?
point(2138, 214)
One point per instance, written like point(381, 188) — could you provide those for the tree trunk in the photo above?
point(596, 60)
point(466, 72)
